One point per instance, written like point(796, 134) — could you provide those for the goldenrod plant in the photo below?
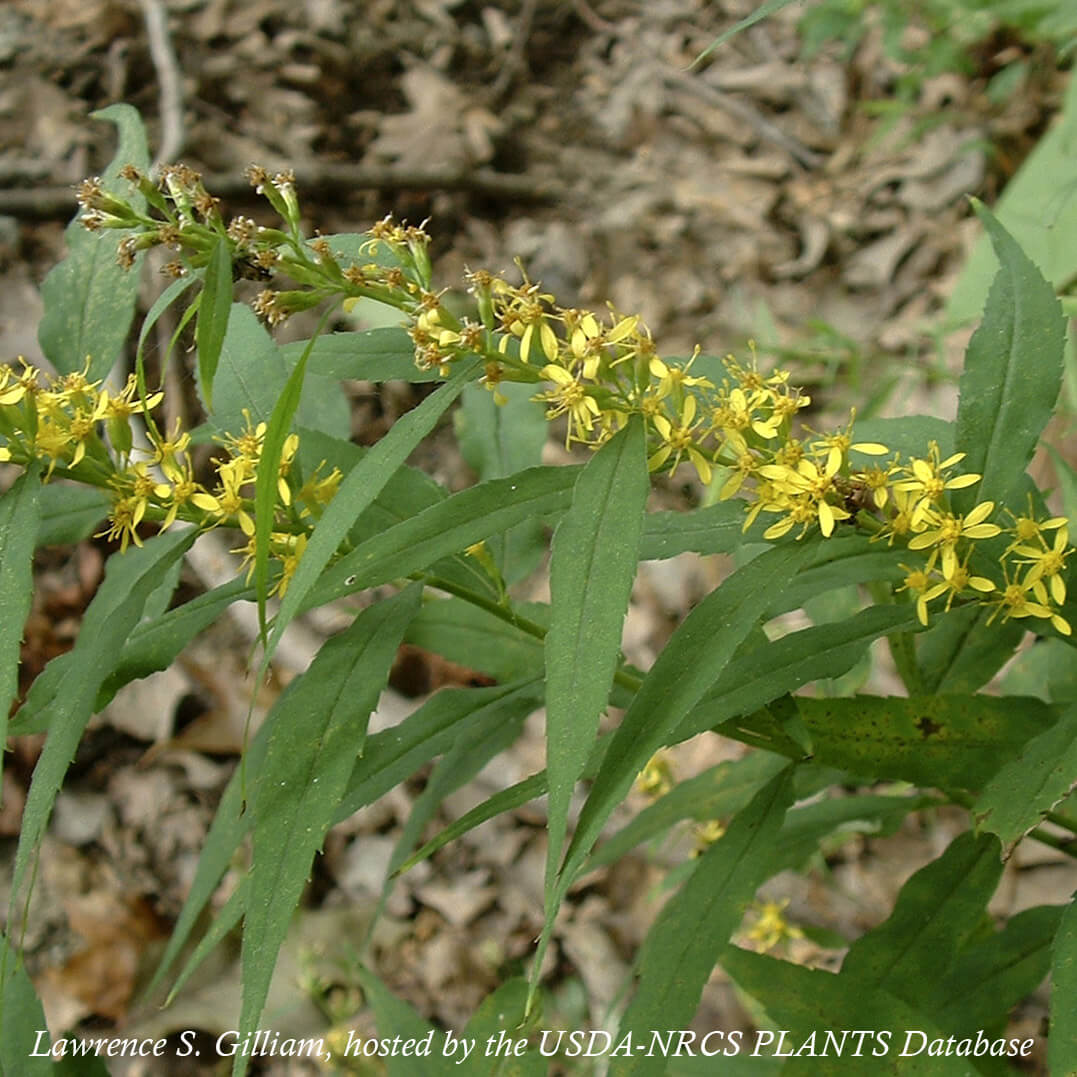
point(930, 528)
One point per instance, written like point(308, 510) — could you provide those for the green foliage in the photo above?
point(90, 299)
point(827, 534)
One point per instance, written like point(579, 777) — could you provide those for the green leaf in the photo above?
point(804, 1003)
point(89, 298)
point(358, 490)
point(694, 926)
point(19, 512)
point(316, 738)
point(407, 493)
point(250, 374)
point(156, 644)
point(389, 758)
point(950, 742)
point(718, 792)
point(1012, 374)
point(936, 912)
point(1062, 1043)
point(68, 513)
point(395, 1017)
point(1045, 670)
point(507, 800)
point(840, 562)
point(21, 1019)
point(472, 750)
point(374, 355)
point(593, 565)
point(690, 663)
point(499, 440)
point(1026, 788)
point(130, 578)
point(714, 529)
point(992, 975)
point(755, 677)
point(214, 305)
point(395, 754)
point(961, 652)
point(908, 435)
point(501, 1016)
point(267, 478)
point(160, 305)
point(1039, 206)
point(473, 637)
point(806, 827)
point(444, 528)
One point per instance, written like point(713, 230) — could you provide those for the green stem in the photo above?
point(1061, 842)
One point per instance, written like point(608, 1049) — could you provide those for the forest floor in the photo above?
point(760, 195)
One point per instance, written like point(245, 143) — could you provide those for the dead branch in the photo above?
point(42, 203)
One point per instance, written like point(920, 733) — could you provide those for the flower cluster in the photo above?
point(733, 425)
point(78, 429)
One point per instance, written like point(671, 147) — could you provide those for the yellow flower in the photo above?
point(679, 440)
point(246, 447)
point(675, 378)
point(289, 562)
point(228, 503)
point(656, 778)
point(959, 582)
point(125, 515)
point(706, 835)
point(1014, 601)
point(1048, 563)
point(809, 481)
point(11, 392)
point(179, 491)
point(918, 581)
point(771, 927)
point(569, 396)
point(1029, 529)
point(945, 530)
point(927, 481)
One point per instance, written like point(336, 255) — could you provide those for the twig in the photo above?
point(169, 82)
point(749, 114)
point(592, 18)
point(515, 59)
point(58, 201)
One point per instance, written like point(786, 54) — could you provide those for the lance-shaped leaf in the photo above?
point(593, 565)
point(214, 305)
point(317, 734)
point(937, 910)
point(373, 355)
point(861, 1026)
point(358, 490)
point(130, 578)
point(395, 1017)
point(1012, 373)
point(498, 440)
point(19, 509)
point(993, 974)
point(951, 742)
point(718, 792)
point(1062, 1043)
point(690, 663)
point(757, 675)
point(692, 929)
point(24, 1034)
point(89, 297)
point(1026, 788)
point(445, 528)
